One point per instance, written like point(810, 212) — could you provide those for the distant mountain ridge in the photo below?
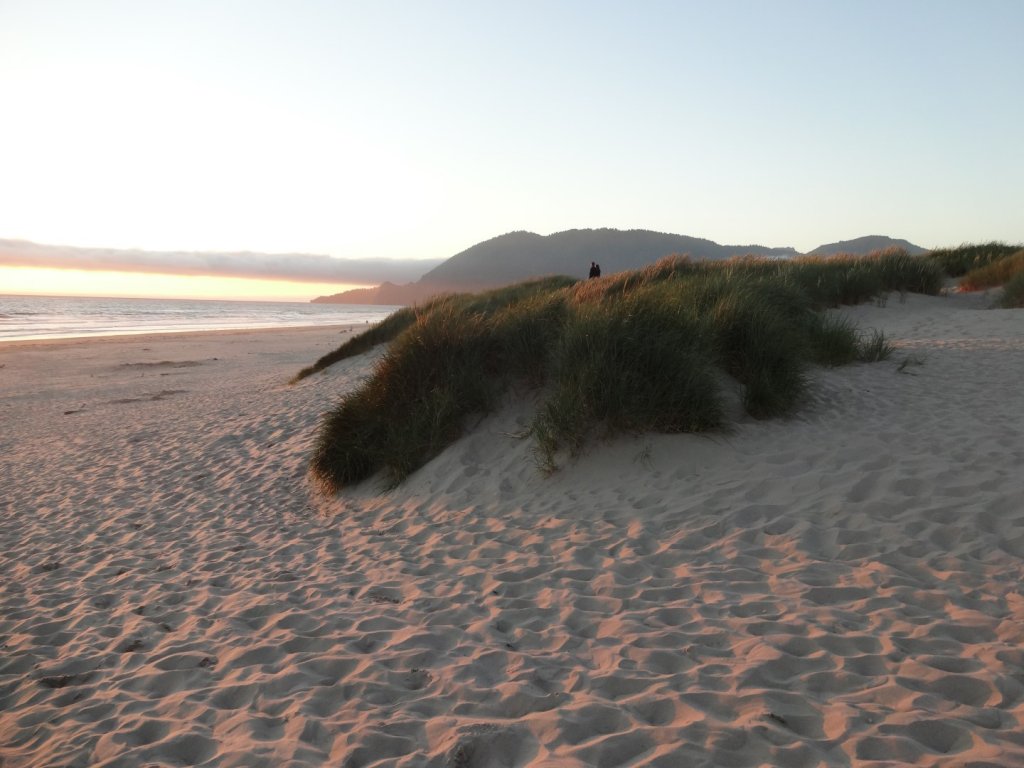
point(520, 255)
point(867, 244)
point(517, 256)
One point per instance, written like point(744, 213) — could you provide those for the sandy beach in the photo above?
point(843, 588)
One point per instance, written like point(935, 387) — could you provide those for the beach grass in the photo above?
point(873, 347)
point(648, 350)
point(989, 265)
point(960, 260)
point(1013, 293)
point(997, 272)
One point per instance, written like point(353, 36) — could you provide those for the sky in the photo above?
point(410, 131)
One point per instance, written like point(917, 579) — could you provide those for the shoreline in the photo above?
point(154, 336)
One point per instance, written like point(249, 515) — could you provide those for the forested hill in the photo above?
point(518, 256)
point(864, 245)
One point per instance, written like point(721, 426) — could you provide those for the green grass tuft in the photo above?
point(642, 363)
point(833, 340)
point(874, 347)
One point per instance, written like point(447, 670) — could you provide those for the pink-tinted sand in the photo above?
point(842, 588)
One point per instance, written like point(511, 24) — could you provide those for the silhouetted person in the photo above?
point(595, 271)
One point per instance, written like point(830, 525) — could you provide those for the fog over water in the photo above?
point(277, 266)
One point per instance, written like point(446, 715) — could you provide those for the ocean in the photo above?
point(63, 317)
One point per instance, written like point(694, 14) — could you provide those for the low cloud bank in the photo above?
point(299, 267)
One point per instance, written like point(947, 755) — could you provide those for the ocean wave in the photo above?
point(45, 317)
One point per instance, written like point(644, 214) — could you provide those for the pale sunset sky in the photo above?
point(304, 141)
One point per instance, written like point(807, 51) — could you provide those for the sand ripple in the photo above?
point(839, 589)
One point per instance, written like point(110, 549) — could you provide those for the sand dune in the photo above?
point(842, 588)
